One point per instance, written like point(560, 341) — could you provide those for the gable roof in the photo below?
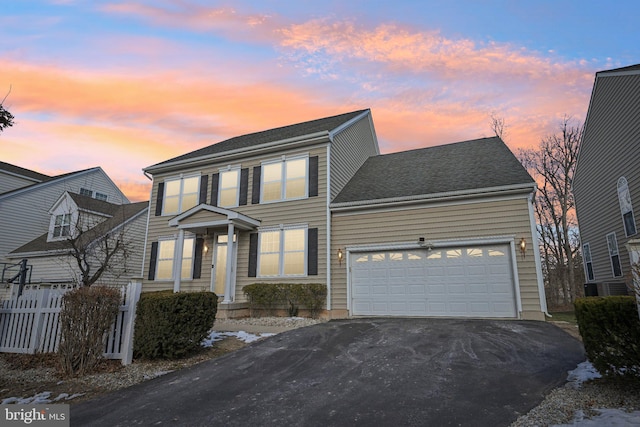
point(93, 205)
point(27, 173)
point(121, 214)
point(299, 130)
point(464, 167)
point(635, 67)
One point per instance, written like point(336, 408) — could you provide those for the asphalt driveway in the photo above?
point(399, 372)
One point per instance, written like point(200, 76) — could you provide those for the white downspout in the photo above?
point(177, 261)
point(329, 225)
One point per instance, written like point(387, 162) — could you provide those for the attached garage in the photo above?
point(469, 281)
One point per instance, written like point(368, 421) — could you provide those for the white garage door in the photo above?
point(467, 282)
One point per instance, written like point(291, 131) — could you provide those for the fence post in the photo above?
point(38, 319)
point(133, 295)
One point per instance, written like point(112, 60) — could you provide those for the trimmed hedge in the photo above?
point(172, 325)
point(610, 329)
point(269, 296)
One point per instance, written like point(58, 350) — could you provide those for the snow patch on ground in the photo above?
point(585, 371)
point(605, 417)
point(241, 335)
point(40, 398)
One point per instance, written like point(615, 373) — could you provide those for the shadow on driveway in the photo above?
point(358, 372)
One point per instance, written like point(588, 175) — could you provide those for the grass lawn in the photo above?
point(566, 316)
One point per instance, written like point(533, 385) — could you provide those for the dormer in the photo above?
point(73, 213)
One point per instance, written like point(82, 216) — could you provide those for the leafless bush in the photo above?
point(86, 316)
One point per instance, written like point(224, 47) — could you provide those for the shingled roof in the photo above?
point(326, 124)
point(459, 167)
point(28, 173)
point(120, 214)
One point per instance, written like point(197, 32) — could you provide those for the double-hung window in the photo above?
point(588, 264)
point(612, 244)
point(282, 252)
point(229, 192)
point(626, 207)
point(62, 225)
point(166, 255)
point(285, 179)
point(180, 194)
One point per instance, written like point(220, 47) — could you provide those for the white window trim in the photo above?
point(229, 169)
point(62, 236)
point(586, 249)
point(173, 262)
point(283, 182)
point(622, 188)
point(180, 178)
point(281, 228)
point(611, 255)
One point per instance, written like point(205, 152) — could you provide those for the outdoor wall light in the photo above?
point(340, 256)
point(523, 247)
point(206, 248)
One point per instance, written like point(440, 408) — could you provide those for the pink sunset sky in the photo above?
point(124, 85)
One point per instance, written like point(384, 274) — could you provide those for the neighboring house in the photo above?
point(13, 177)
point(93, 224)
point(606, 184)
point(430, 232)
point(24, 211)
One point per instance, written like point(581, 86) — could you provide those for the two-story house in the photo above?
point(108, 237)
point(606, 184)
point(442, 231)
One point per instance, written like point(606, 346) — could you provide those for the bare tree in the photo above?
point(6, 118)
point(552, 165)
point(498, 125)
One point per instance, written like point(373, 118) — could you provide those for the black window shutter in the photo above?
point(197, 259)
point(312, 252)
point(152, 261)
point(255, 191)
point(204, 180)
point(253, 254)
point(313, 176)
point(244, 186)
point(159, 199)
point(214, 189)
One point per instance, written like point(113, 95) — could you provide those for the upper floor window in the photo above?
point(180, 194)
point(62, 225)
point(86, 192)
point(612, 244)
point(229, 192)
point(285, 179)
point(626, 208)
point(101, 196)
point(282, 252)
point(588, 264)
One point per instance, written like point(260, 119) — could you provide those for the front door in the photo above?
point(219, 267)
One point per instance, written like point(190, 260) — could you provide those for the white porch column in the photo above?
point(229, 284)
point(177, 261)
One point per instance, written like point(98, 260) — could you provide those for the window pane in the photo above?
point(272, 191)
point(186, 268)
point(165, 270)
point(228, 197)
point(190, 185)
point(296, 169)
point(270, 242)
point(172, 188)
point(229, 178)
point(166, 249)
point(294, 263)
point(272, 172)
point(171, 204)
point(187, 248)
point(296, 188)
point(269, 264)
point(294, 240)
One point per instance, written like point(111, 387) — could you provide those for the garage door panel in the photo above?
point(472, 282)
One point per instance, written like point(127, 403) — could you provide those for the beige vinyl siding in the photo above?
point(25, 213)
point(9, 182)
point(349, 150)
point(438, 223)
point(610, 149)
point(310, 211)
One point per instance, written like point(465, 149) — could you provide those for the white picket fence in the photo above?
point(31, 324)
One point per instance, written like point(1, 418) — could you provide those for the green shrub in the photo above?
point(269, 296)
point(610, 330)
point(172, 325)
